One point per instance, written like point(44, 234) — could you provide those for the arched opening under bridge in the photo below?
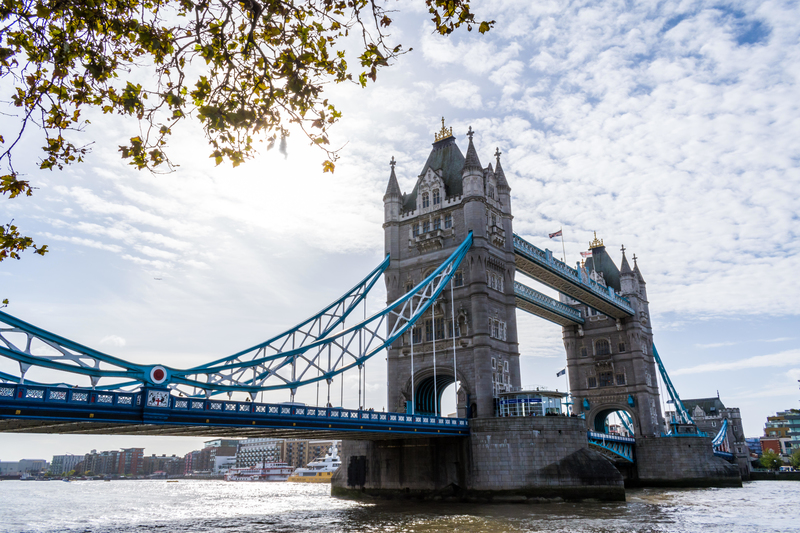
point(614, 420)
point(428, 394)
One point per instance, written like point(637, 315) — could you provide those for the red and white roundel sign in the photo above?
point(158, 374)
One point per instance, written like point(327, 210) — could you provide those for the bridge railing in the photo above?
point(547, 302)
point(611, 438)
point(546, 258)
point(132, 402)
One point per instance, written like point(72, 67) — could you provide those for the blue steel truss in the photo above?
point(621, 446)
point(306, 354)
point(569, 314)
point(720, 444)
point(545, 259)
point(682, 413)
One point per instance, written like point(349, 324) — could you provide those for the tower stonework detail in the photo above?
point(453, 195)
point(611, 364)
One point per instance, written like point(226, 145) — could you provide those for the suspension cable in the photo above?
point(413, 396)
point(433, 336)
point(453, 318)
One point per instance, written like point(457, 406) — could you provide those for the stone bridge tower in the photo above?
point(453, 195)
point(611, 363)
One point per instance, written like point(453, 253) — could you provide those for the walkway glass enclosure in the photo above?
point(530, 403)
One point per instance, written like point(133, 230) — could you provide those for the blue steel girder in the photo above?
point(27, 408)
point(680, 410)
point(542, 266)
point(621, 446)
point(543, 306)
point(306, 354)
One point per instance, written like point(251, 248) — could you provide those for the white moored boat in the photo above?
point(260, 472)
point(319, 470)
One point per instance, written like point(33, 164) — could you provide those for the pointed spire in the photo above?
point(393, 188)
point(472, 162)
point(636, 269)
point(499, 175)
point(625, 268)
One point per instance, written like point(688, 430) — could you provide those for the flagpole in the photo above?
point(564, 250)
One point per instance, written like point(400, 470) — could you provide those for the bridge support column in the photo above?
point(681, 462)
point(503, 460)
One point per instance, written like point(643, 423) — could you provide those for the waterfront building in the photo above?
point(170, 466)
point(130, 462)
point(709, 414)
point(782, 432)
point(754, 444)
point(63, 464)
point(252, 451)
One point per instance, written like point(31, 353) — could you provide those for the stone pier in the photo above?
point(503, 460)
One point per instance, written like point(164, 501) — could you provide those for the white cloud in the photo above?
point(715, 344)
point(461, 94)
point(113, 340)
point(781, 359)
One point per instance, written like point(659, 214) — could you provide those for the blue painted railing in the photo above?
point(546, 302)
point(621, 446)
point(157, 406)
point(545, 258)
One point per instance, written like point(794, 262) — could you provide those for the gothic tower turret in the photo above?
point(451, 198)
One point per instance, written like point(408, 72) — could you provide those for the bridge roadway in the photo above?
point(543, 267)
point(36, 409)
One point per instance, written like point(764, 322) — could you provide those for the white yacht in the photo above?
point(260, 472)
point(319, 470)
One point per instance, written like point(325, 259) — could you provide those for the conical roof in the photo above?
point(472, 162)
point(393, 188)
point(625, 268)
point(500, 176)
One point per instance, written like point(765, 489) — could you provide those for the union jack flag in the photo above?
point(556, 234)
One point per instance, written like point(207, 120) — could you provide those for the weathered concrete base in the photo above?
point(504, 460)
point(681, 462)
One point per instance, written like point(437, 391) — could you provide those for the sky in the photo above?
point(670, 127)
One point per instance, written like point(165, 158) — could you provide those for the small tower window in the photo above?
point(602, 347)
point(620, 379)
point(584, 352)
point(505, 366)
point(494, 363)
point(606, 379)
point(458, 278)
point(592, 382)
point(409, 287)
point(621, 347)
point(437, 223)
point(448, 221)
point(426, 226)
point(416, 230)
point(491, 192)
point(494, 220)
point(436, 197)
point(426, 200)
point(417, 335)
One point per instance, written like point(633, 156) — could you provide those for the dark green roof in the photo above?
point(602, 263)
point(447, 157)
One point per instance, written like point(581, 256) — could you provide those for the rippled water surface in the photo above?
point(216, 506)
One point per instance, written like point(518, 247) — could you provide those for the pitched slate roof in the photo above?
point(705, 404)
point(447, 157)
point(601, 262)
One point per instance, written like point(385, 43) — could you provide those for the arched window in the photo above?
point(426, 200)
point(491, 192)
point(601, 347)
point(436, 198)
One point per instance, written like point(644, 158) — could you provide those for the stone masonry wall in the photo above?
point(682, 462)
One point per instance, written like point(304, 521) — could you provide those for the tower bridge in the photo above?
point(450, 319)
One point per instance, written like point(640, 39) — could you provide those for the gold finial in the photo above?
point(596, 243)
point(444, 133)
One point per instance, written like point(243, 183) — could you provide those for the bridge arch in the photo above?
point(427, 397)
point(596, 417)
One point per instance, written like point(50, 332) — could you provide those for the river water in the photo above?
point(219, 507)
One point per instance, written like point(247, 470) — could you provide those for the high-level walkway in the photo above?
point(543, 267)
